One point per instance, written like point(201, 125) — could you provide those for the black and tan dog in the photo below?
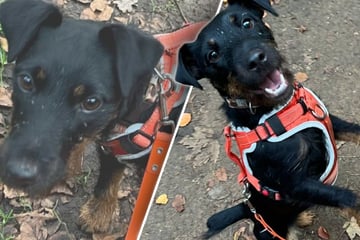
point(73, 82)
point(283, 131)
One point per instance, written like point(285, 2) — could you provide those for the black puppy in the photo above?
point(73, 82)
point(283, 132)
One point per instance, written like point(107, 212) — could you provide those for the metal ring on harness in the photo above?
point(321, 116)
point(132, 129)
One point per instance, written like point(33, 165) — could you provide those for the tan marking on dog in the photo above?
point(97, 214)
point(79, 91)
point(41, 74)
point(348, 137)
point(306, 218)
point(75, 160)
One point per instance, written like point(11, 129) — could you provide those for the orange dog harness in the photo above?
point(304, 110)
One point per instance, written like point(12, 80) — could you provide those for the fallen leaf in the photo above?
point(125, 6)
point(323, 233)
point(210, 183)
point(301, 77)
point(179, 203)
point(185, 119)
point(98, 5)
point(62, 189)
point(221, 174)
point(162, 199)
point(5, 97)
point(301, 29)
point(4, 44)
point(88, 14)
point(40, 214)
point(245, 231)
point(11, 193)
point(352, 228)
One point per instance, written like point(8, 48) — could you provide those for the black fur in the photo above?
point(237, 53)
point(73, 81)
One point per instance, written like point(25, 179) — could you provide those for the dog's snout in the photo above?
point(22, 172)
point(256, 58)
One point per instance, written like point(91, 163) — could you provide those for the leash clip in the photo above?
point(163, 92)
point(245, 190)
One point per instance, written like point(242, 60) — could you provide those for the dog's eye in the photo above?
point(91, 104)
point(248, 23)
point(213, 56)
point(25, 82)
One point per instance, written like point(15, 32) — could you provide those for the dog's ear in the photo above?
point(187, 71)
point(22, 19)
point(262, 4)
point(136, 54)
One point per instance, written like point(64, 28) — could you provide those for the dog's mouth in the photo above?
point(273, 86)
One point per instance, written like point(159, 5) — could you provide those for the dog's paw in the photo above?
point(96, 215)
point(305, 219)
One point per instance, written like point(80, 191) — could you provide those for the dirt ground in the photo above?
point(321, 38)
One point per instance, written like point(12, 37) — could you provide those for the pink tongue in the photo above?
point(272, 81)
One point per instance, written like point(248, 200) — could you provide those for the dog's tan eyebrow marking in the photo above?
point(41, 74)
point(212, 42)
point(79, 90)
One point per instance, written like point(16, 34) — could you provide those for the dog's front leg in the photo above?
point(315, 192)
point(97, 213)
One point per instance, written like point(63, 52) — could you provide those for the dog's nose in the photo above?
point(256, 58)
point(22, 172)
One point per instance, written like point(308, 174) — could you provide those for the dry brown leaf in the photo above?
point(210, 183)
point(31, 224)
point(185, 119)
point(323, 233)
point(26, 232)
point(301, 29)
point(40, 214)
point(352, 228)
point(221, 174)
point(162, 199)
point(88, 14)
point(301, 77)
point(98, 5)
point(5, 97)
point(47, 203)
point(4, 44)
point(245, 231)
point(11, 193)
point(125, 6)
point(179, 203)
point(62, 189)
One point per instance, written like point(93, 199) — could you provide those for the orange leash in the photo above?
point(156, 158)
point(263, 222)
point(267, 227)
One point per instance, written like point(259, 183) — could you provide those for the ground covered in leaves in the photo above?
point(321, 41)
